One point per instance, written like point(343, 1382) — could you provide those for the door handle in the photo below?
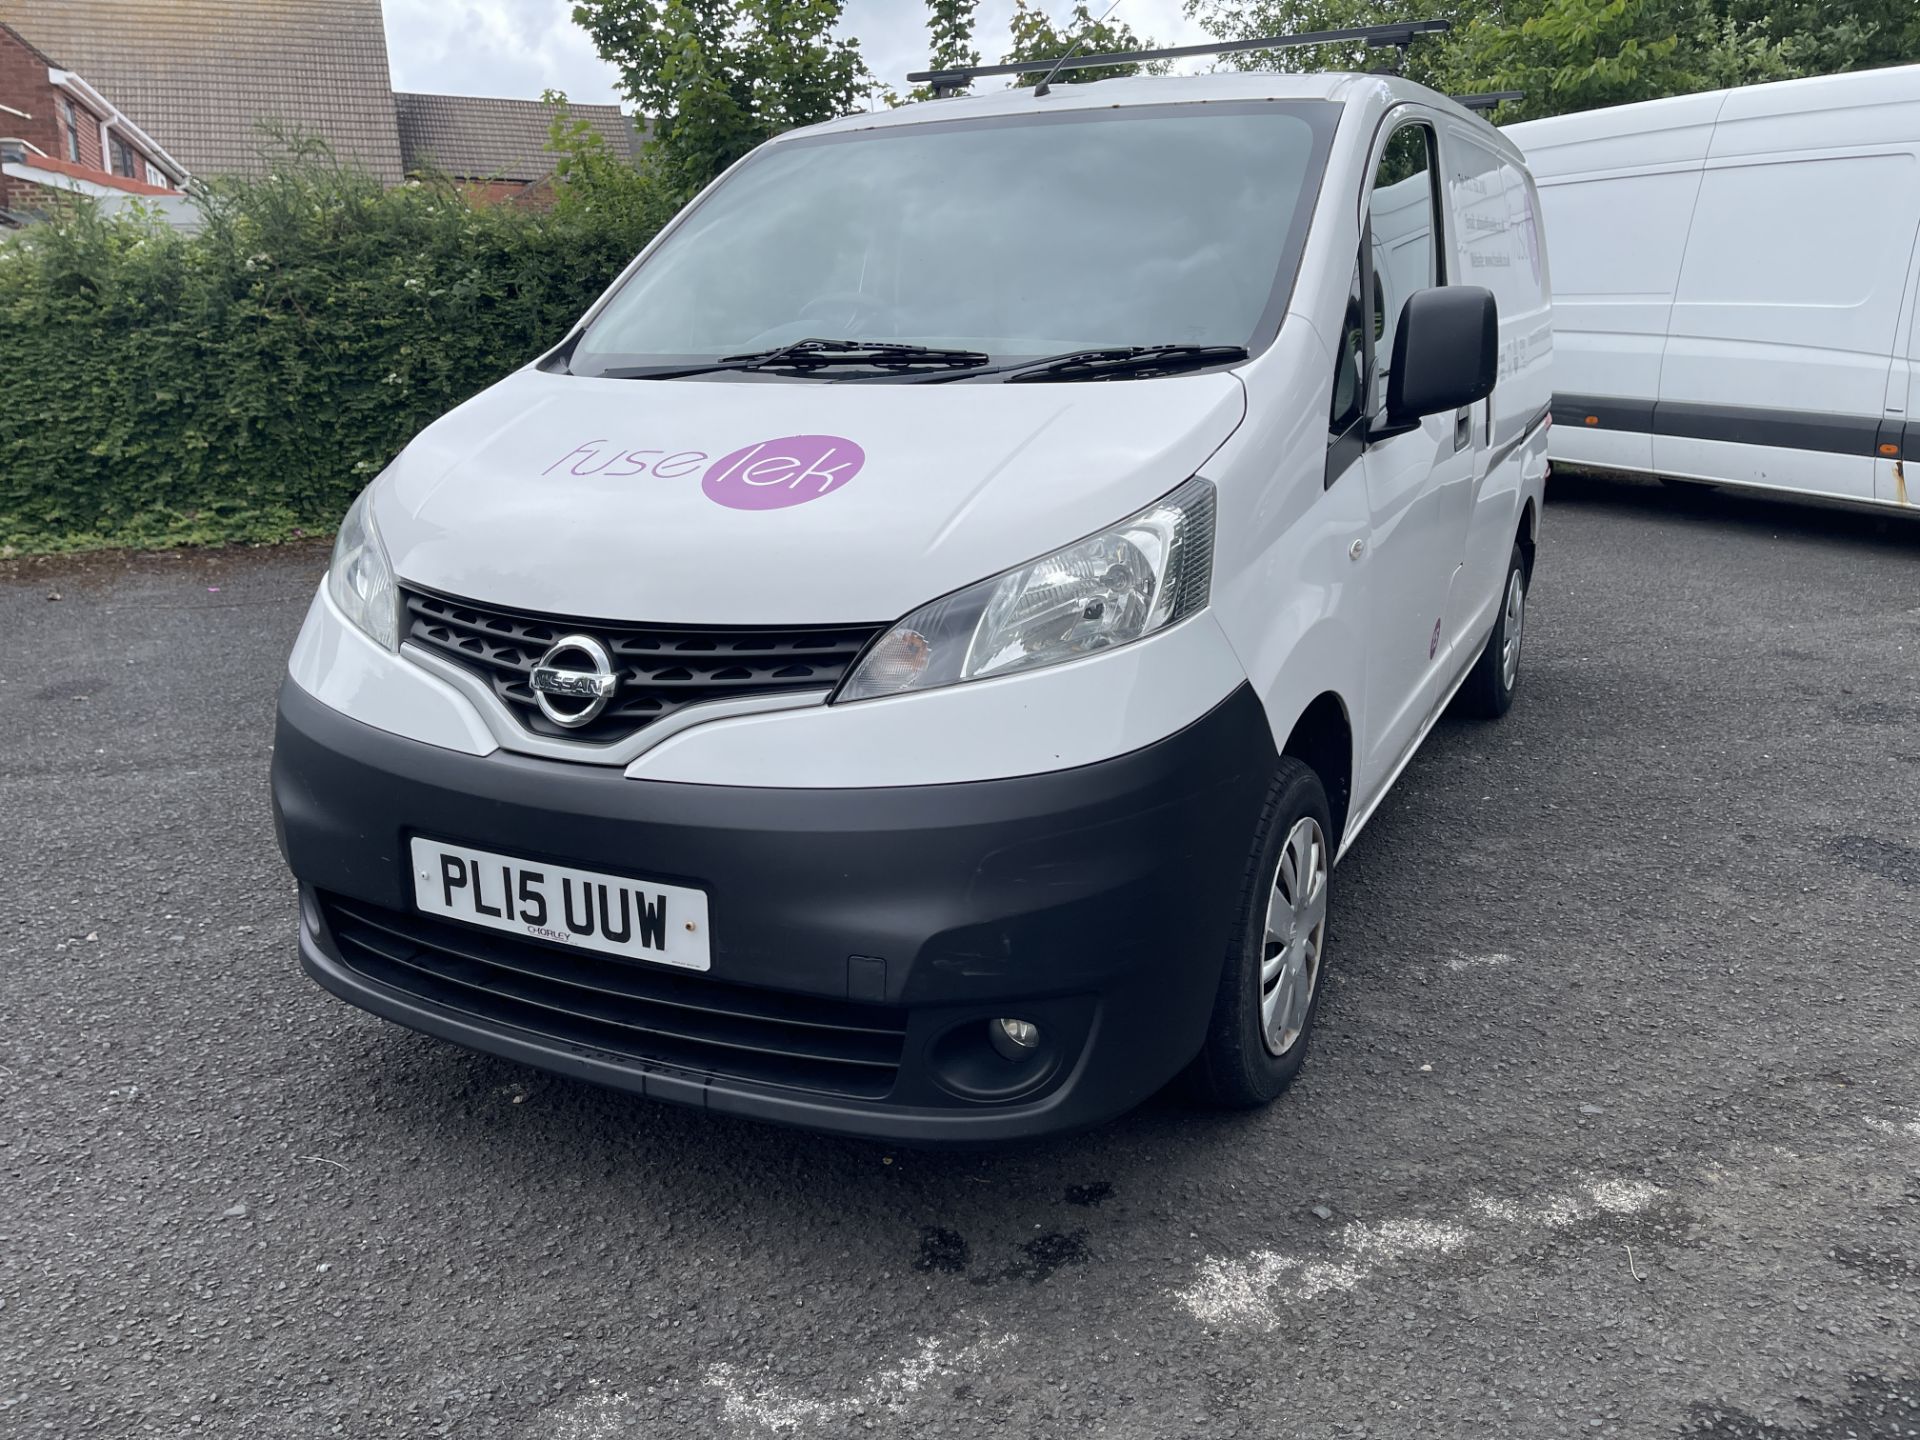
point(1463, 428)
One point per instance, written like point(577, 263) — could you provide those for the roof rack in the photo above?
point(1486, 101)
point(1378, 37)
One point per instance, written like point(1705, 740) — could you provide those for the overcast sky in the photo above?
point(517, 48)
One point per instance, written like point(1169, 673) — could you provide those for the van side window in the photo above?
point(1406, 243)
point(1350, 364)
point(1352, 350)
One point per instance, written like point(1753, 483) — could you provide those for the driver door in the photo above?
point(1419, 484)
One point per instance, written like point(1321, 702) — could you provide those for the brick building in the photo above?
point(204, 77)
point(59, 135)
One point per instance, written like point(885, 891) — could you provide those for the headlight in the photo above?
point(360, 580)
point(1109, 589)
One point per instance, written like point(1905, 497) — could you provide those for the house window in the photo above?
point(155, 176)
point(72, 128)
point(122, 157)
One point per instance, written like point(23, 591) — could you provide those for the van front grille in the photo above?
point(691, 1022)
point(661, 668)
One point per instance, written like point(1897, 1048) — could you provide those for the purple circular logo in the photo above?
point(777, 473)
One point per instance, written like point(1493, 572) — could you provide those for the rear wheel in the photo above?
point(1270, 985)
point(1488, 691)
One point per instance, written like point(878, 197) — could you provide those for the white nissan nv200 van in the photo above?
point(1738, 274)
point(908, 662)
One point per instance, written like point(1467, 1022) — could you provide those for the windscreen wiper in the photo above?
point(1131, 362)
point(1127, 362)
point(814, 355)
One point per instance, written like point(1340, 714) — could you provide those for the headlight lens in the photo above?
point(360, 579)
point(1109, 589)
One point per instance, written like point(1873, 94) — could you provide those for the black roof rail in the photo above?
point(1398, 36)
point(1487, 100)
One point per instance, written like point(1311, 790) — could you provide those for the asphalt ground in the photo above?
point(1611, 1126)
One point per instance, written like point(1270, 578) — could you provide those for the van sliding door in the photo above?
point(1497, 246)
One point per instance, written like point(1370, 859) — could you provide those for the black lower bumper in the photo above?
point(861, 939)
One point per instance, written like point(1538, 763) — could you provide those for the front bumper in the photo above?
point(861, 938)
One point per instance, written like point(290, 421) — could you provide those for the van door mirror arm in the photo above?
point(1385, 427)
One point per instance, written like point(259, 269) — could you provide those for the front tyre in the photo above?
point(1270, 985)
point(1488, 691)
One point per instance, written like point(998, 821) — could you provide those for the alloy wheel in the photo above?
point(1296, 934)
point(1516, 621)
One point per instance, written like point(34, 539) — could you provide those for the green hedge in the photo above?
point(244, 382)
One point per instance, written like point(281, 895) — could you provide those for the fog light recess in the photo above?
point(995, 1059)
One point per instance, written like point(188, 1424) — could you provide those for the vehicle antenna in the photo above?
point(1046, 84)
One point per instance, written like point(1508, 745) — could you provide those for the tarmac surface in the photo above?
point(1611, 1126)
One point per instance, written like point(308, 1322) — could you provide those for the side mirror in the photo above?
point(1446, 354)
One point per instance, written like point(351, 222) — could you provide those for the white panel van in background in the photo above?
point(1735, 276)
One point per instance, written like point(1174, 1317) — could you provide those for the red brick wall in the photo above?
point(537, 196)
point(24, 86)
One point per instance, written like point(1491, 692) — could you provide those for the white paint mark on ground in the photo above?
point(1478, 962)
point(1245, 1292)
point(759, 1399)
point(1251, 1293)
point(601, 1415)
point(1908, 1128)
point(1556, 1212)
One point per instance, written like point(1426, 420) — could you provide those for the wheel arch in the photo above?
point(1528, 536)
point(1322, 739)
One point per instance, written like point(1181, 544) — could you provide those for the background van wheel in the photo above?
point(1488, 692)
point(1270, 984)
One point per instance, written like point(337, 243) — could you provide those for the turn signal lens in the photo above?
point(897, 662)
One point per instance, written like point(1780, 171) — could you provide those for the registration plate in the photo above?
point(637, 919)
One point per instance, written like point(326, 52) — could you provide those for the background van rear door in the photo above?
point(1897, 476)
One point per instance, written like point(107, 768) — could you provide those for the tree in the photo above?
point(1816, 37)
point(1035, 38)
point(1430, 60)
point(1581, 54)
point(950, 33)
point(598, 187)
point(1578, 54)
point(720, 76)
point(949, 43)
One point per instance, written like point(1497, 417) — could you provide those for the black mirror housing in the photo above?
point(1446, 353)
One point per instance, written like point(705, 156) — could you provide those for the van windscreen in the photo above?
point(1009, 236)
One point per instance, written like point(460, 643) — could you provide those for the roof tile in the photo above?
point(200, 76)
point(472, 137)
